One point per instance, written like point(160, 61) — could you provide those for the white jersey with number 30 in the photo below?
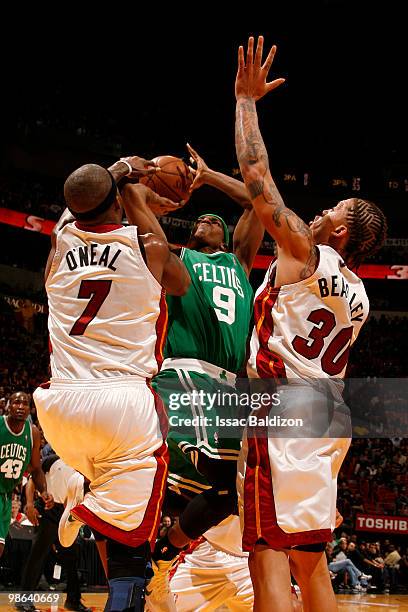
point(105, 315)
point(305, 329)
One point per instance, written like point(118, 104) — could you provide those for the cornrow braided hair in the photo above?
point(368, 230)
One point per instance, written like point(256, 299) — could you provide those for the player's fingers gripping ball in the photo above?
point(172, 180)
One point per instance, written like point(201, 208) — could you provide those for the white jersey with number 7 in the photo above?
point(106, 311)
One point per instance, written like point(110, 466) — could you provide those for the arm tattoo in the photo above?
point(293, 222)
point(248, 140)
point(310, 264)
point(255, 189)
point(251, 150)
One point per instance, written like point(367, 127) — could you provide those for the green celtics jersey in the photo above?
point(211, 322)
point(15, 454)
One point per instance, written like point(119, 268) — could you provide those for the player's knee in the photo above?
point(212, 507)
point(129, 570)
point(225, 500)
point(126, 594)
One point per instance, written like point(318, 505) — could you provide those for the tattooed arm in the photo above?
point(293, 236)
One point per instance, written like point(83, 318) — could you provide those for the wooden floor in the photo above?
point(346, 603)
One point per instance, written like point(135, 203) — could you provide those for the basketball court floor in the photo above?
point(346, 603)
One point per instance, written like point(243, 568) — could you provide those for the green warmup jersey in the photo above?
point(211, 322)
point(15, 454)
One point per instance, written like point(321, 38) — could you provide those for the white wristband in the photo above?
point(124, 161)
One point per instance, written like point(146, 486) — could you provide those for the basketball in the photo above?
point(172, 181)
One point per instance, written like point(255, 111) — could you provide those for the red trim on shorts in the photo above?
point(98, 229)
point(148, 528)
point(182, 556)
point(45, 385)
point(259, 504)
point(268, 363)
point(161, 411)
point(161, 329)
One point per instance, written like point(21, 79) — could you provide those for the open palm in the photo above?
point(252, 74)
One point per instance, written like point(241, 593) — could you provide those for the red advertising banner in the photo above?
point(385, 271)
point(28, 222)
point(382, 524)
point(44, 226)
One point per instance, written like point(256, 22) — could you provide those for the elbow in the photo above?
point(252, 172)
point(129, 189)
point(184, 285)
point(254, 179)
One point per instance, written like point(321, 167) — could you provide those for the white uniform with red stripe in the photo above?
point(302, 337)
point(214, 572)
point(106, 324)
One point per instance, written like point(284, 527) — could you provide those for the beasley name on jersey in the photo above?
point(306, 329)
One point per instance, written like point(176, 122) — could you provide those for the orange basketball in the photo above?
point(172, 181)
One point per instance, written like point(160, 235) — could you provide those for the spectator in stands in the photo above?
point(165, 525)
point(375, 565)
point(391, 561)
point(16, 515)
point(354, 554)
point(358, 504)
point(339, 552)
point(341, 564)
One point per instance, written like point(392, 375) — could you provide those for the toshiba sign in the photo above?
point(379, 523)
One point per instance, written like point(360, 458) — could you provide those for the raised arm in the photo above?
point(292, 235)
point(204, 175)
point(166, 267)
point(249, 230)
point(132, 167)
point(137, 201)
point(248, 236)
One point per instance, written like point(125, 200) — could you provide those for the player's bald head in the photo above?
point(87, 187)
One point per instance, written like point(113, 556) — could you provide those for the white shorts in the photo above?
point(112, 431)
point(209, 578)
point(287, 487)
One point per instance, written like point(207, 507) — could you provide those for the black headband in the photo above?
point(100, 208)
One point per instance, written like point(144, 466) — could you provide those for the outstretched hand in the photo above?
point(199, 172)
point(252, 74)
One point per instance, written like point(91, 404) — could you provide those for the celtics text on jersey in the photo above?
point(15, 454)
point(211, 322)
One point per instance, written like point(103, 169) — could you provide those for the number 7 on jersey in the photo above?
point(97, 291)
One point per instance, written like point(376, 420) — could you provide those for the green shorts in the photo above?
point(196, 425)
point(5, 515)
